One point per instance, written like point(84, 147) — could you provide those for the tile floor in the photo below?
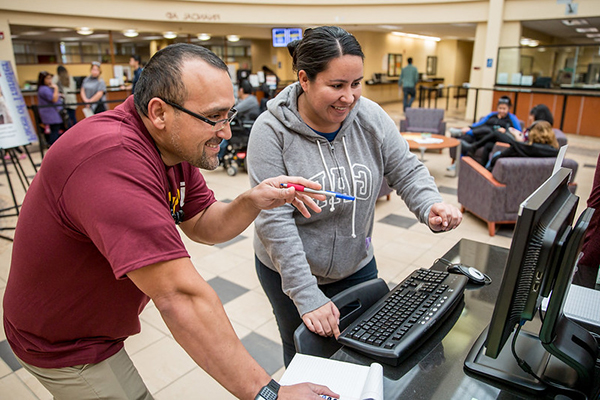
point(401, 244)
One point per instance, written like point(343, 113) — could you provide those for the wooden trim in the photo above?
point(482, 171)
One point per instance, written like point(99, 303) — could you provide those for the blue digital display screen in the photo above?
point(282, 36)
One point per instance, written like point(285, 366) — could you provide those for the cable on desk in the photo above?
point(525, 367)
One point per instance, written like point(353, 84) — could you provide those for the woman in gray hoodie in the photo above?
point(321, 128)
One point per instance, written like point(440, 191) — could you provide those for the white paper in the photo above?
point(350, 381)
point(427, 140)
point(560, 158)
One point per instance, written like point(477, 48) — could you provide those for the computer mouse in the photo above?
point(474, 275)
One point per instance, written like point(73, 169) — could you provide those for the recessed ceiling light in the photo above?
point(574, 22)
point(233, 38)
point(152, 37)
point(32, 33)
point(415, 36)
point(169, 35)
point(130, 33)
point(59, 29)
point(593, 35)
point(585, 30)
point(203, 36)
point(84, 30)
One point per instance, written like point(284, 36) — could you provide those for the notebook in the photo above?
point(350, 381)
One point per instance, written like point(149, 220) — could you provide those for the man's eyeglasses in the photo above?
point(217, 125)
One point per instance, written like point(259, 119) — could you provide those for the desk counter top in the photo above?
point(435, 370)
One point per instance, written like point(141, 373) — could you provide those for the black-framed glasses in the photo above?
point(217, 125)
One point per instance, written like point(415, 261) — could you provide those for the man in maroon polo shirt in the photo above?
point(97, 238)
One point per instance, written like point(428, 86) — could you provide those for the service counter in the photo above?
point(574, 111)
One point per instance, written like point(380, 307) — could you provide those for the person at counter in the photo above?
point(320, 127)
point(93, 90)
point(68, 89)
point(408, 81)
point(48, 94)
point(106, 204)
point(135, 64)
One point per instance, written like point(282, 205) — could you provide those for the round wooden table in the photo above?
point(422, 142)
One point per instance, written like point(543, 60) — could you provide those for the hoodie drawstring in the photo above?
point(332, 199)
point(353, 187)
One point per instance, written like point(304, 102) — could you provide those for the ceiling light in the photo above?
point(574, 22)
point(84, 30)
point(169, 35)
point(152, 37)
point(203, 36)
point(593, 35)
point(130, 33)
point(415, 36)
point(32, 33)
point(59, 29)
point(585, 30)
point(533, 43)
point(525, 41)
point(233, 38)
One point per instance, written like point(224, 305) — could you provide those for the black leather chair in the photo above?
point(351, 302)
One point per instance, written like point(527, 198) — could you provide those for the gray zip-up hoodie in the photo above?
point(335, 243)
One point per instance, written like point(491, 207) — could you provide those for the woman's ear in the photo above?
point(157, 113)
point(303, 79)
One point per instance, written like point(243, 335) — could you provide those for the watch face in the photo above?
point(266, 393)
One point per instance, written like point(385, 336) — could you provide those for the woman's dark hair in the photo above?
point(41, 77)
point(63, 75)
point(505, 100)
point(162, 75)
point(542, 113)
point(319, 46)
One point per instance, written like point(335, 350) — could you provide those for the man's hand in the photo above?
point(324, 320)
point(305, 391)
point(444, 217)
point(269, 194)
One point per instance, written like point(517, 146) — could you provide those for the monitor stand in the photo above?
point(505, 371)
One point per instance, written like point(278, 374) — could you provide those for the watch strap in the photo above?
point(268, 392)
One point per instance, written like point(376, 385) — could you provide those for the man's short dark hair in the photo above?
point(136, 57)
point(410, 60)
point(505, 100)
point(246, 87)
point(161, 76)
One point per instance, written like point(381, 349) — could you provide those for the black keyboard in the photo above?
point(397, 324)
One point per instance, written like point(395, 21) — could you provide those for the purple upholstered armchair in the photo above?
point(429, 120)
point(495, 196)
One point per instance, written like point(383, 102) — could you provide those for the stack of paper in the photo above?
point(350, 381)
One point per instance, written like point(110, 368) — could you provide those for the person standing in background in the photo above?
point(68, 89)
point(408, 80)
point(135, 63)
point(93, 89)
point(48, 94)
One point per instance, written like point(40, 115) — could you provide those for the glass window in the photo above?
point(550, 66)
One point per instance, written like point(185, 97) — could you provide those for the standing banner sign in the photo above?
point(16, 128)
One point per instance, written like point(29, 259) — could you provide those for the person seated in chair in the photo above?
point(247, 110)
point(538, 113)
point(497, 121)
point(247, 106)
point(541, 142)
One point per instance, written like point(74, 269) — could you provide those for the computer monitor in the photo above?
point(541, 260)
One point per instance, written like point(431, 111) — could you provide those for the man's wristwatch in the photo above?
point(268, 392)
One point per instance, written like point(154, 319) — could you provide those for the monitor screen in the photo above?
point(283, 36)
